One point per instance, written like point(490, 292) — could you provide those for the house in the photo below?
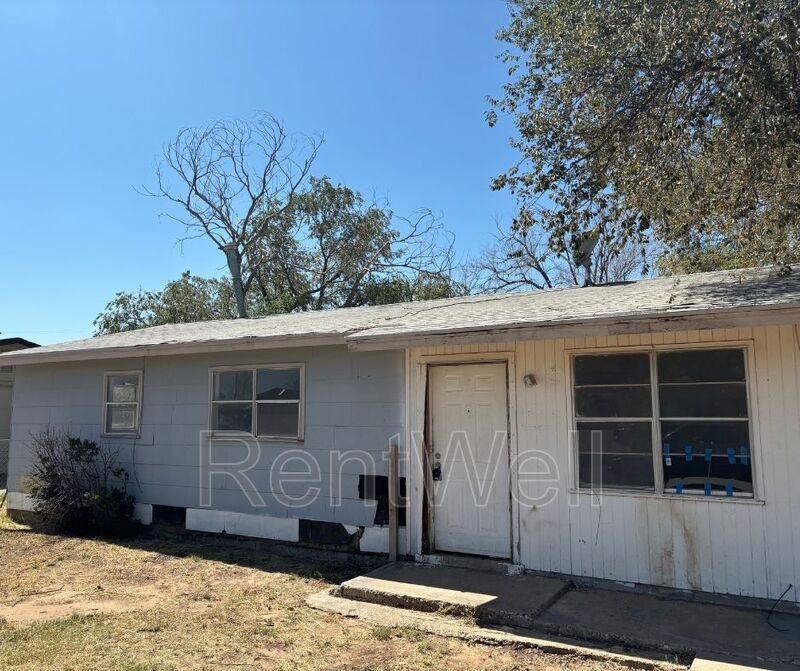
point(6, 381)
point(644, 432)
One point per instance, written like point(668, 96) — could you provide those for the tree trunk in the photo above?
point(235, 266)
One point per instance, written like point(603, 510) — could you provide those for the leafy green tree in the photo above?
point(187, 299)
point(331, 248)
point(403, 289)
point(677, 120)
point(127, 312)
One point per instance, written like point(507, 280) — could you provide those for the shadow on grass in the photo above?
point(270, 556)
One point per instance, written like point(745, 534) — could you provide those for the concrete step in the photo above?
point(518, 638)
point(489, 598)
point(722, 638)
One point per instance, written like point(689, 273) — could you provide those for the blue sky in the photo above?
point(92, 91)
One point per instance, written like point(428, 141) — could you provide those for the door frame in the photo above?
point(420, 515)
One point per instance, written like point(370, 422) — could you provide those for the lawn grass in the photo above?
point(165, 601)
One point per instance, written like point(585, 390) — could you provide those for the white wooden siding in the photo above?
point(740, 547)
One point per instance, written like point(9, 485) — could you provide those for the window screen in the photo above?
point(704, 425)
point(699, 418)
point(232, 404)
point(278, 401)
point(614, 418)
point(263, 401)
point(121, 403)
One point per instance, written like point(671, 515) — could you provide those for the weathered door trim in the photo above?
point(417, 376)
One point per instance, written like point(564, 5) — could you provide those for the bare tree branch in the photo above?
point(522, 258)
point(234, 180)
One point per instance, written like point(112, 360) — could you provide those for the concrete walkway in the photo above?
point(713, 634)
point(490, 598)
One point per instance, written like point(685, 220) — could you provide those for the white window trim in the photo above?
point(658, 492)
point(135, 433)
point(215, 433)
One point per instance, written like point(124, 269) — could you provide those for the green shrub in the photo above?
point(79, 487)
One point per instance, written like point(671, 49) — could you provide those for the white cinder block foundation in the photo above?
point(210, 521)
point(243, 524)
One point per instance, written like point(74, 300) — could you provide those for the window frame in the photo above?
point(137, 431)
point(254, 368)
point(659, 491)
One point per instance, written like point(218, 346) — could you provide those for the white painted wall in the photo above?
point(354, 401)
point(749, 548)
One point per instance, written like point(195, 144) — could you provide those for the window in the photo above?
point(265, 401)
point(704, 424)
point(671, 421)
point(122, 403)
point(614, 417)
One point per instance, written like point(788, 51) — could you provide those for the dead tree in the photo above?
point(234, 179)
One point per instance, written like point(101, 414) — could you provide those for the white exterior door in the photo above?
point(469, 454)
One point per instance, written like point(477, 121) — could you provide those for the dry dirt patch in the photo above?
point(57, 602)
point(191, 602)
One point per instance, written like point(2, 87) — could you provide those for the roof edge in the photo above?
point(657, 322)
point(27, 357)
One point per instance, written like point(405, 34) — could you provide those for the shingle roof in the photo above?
point(721, 292)
point(717, 292)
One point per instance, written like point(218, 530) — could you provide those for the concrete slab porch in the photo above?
point(488, 597)
point(602, 618)
point(648, 622)
point(451, 627)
